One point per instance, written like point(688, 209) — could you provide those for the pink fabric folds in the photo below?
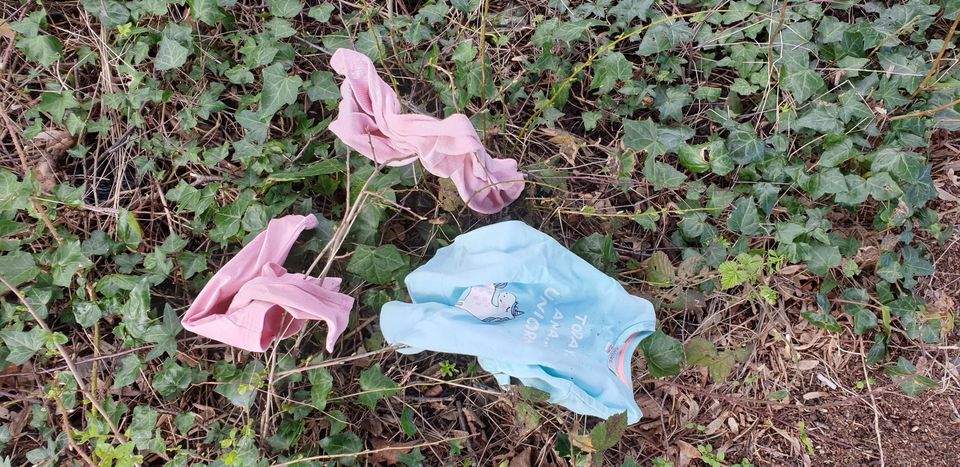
point(253, 300)
point(370, 122)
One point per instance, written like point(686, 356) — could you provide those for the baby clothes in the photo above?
point(253, 300)
point(527, 308)
point(369, 121)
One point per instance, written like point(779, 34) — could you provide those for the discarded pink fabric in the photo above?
point(370, 122)
point(253, 300)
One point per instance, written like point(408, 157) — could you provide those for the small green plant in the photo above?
point(448, 369)
point(862, 384)
point(696, 426)
point(709, 457)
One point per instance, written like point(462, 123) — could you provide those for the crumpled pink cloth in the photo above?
point(369, 121)
point(253, 300)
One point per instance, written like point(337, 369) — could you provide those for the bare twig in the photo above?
point(367, 452)
point(936, 62)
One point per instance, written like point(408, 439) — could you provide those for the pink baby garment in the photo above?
point(253, 300)
point(370, 122)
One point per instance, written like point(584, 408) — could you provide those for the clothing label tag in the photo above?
point(613, 357)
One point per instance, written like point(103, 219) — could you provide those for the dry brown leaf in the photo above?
point(522, 459)
point(55, 142)
point(687, 453)
point(942, 303)
point(714, 426)
point(734, 425)
point(387, 451)
point(45, 175)
point(806, 365)
point(7, 31)
point(650, 407)
point(568, 144)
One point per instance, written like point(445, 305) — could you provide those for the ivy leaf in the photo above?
point(42, 49)
point(239, 387)
point(744, 147)
point(693, 158)
point(228, 219)
point(128, 229)
point(802, 83)
point(670, 102)
point(905, 375)
point(17, 268)
point(66, 261)
point(279, 89)
point(173, 378)
point(87, 313)
point(23, 345)
point(642, 135)
point(744, 218)
point(380, 265)
point(171, 55)
point(822, 320)
point(905, 166)
point(184, 422)
point(57, 103)
point(822, 258)
point(597, 249)
point(255, 123)
point(129, 371)
point(664, 354)
point(882, 188)
point(660, 174)
point(164, 335)
point(141, 428)
point(208, 11)
point(321, 383)
point(111, 13)
point(285, 8)
point(322, 87)
point(342, 443)
point(836, 150)
point(375, 386)
point(321, 12)
point(663, 36)
point(610, 69)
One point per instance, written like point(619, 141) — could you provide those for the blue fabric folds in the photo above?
point(527, 308)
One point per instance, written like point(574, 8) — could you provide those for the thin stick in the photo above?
point(873, 404)
point(335, 361)
point(936, 62)
point(369, 451)
point(65, 426)
point(68, 360)
point(924, 113)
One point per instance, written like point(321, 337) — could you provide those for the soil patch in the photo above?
point(914, 432)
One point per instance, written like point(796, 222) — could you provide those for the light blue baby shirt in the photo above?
point(527, 308)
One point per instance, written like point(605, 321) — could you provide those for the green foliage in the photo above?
point(664, 354)
point(375, 386)
point(736, 158)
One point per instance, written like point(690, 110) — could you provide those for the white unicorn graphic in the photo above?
point(489, 303)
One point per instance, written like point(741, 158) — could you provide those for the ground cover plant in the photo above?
point(778, 177)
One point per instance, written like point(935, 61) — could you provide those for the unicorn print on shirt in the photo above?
point(489, 303)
